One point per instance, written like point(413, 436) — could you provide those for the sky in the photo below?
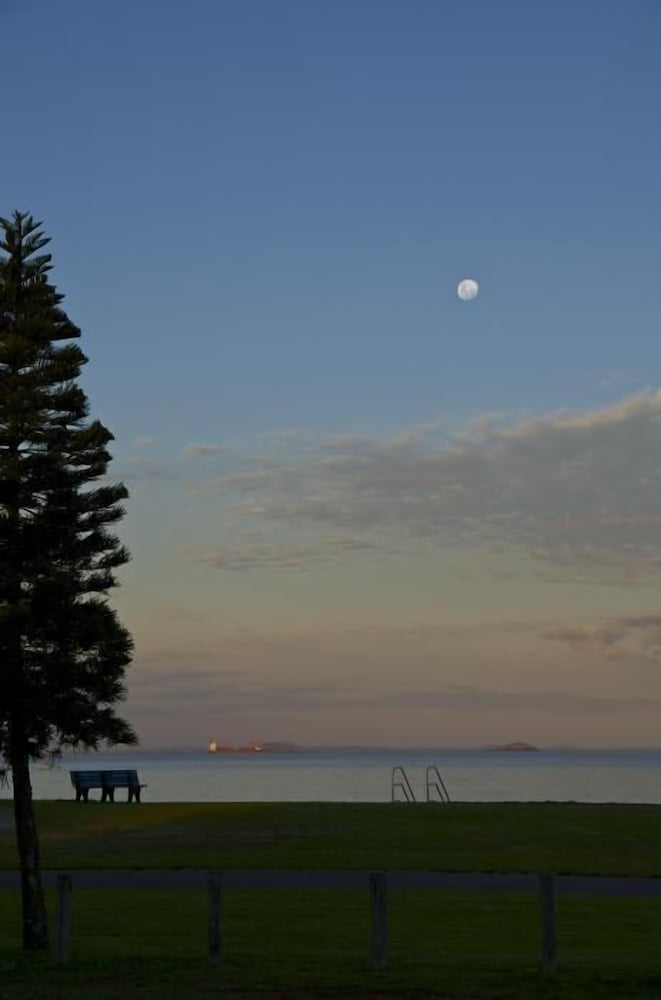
point(362, 511)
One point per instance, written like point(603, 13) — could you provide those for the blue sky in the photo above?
point(260, 212)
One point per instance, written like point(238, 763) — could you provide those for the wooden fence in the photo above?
point(377, 884)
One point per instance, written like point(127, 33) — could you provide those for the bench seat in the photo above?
point(107, 781)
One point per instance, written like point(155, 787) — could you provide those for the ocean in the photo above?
point(365, 775)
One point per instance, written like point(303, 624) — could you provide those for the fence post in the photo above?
point(549, 957)
point(378, 900)
point(215, 917)
point(63, 918)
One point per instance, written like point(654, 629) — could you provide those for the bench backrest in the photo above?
point(86, 779)
point(104, 779)
point(120, 779)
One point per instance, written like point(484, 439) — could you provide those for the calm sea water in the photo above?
point(365, 775)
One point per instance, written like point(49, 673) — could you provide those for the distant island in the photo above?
point(517, 745)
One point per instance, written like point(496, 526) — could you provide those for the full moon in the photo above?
point(468, 289)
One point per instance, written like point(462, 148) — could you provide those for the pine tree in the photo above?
point(63, 649)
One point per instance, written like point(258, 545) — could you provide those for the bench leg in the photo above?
point(134, 794)
point(108, 795)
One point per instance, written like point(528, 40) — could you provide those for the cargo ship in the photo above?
point(215, 747)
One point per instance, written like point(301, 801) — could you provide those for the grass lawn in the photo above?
point(152, 944)
point(285, 944)
point(517, 837)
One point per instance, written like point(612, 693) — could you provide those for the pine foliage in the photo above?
point(63, 650)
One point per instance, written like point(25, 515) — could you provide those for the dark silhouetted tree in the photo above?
point(63, 651)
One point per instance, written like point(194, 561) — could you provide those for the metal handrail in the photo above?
point(433, 780)
point(399, 780)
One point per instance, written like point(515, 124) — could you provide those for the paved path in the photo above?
point(257, 878)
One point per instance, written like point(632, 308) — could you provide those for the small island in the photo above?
point(516, 746)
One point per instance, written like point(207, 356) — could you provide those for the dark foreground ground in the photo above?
point(143, 933)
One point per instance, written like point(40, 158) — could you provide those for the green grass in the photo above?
point(461, 946)
point(457, 945)
point(517, 837)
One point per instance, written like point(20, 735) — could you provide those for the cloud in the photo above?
point(261, 554)
point(375, 652)
point(628, 638)
point(203, 449)
point(579, 493)
point(620, 378)
point(464, 698)
point(419, 684)
point(138, 468)
point(596, 640)
point(410, 437)
point(193, 690)
point(155, 692)
point(144, 442)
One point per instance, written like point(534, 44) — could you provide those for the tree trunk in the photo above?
point(35, 920)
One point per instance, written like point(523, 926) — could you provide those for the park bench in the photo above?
point(107, 781)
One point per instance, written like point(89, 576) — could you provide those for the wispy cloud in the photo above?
point(261, 554)
point(156, 692)
point(136, 468)
point(578, 492)
point(203, 449)
point(486, 681)
point(637, 638)
point(464, 698)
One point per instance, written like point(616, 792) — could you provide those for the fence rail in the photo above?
point(304, 878)
point(377, 885)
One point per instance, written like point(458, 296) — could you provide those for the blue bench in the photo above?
point(107, 781)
